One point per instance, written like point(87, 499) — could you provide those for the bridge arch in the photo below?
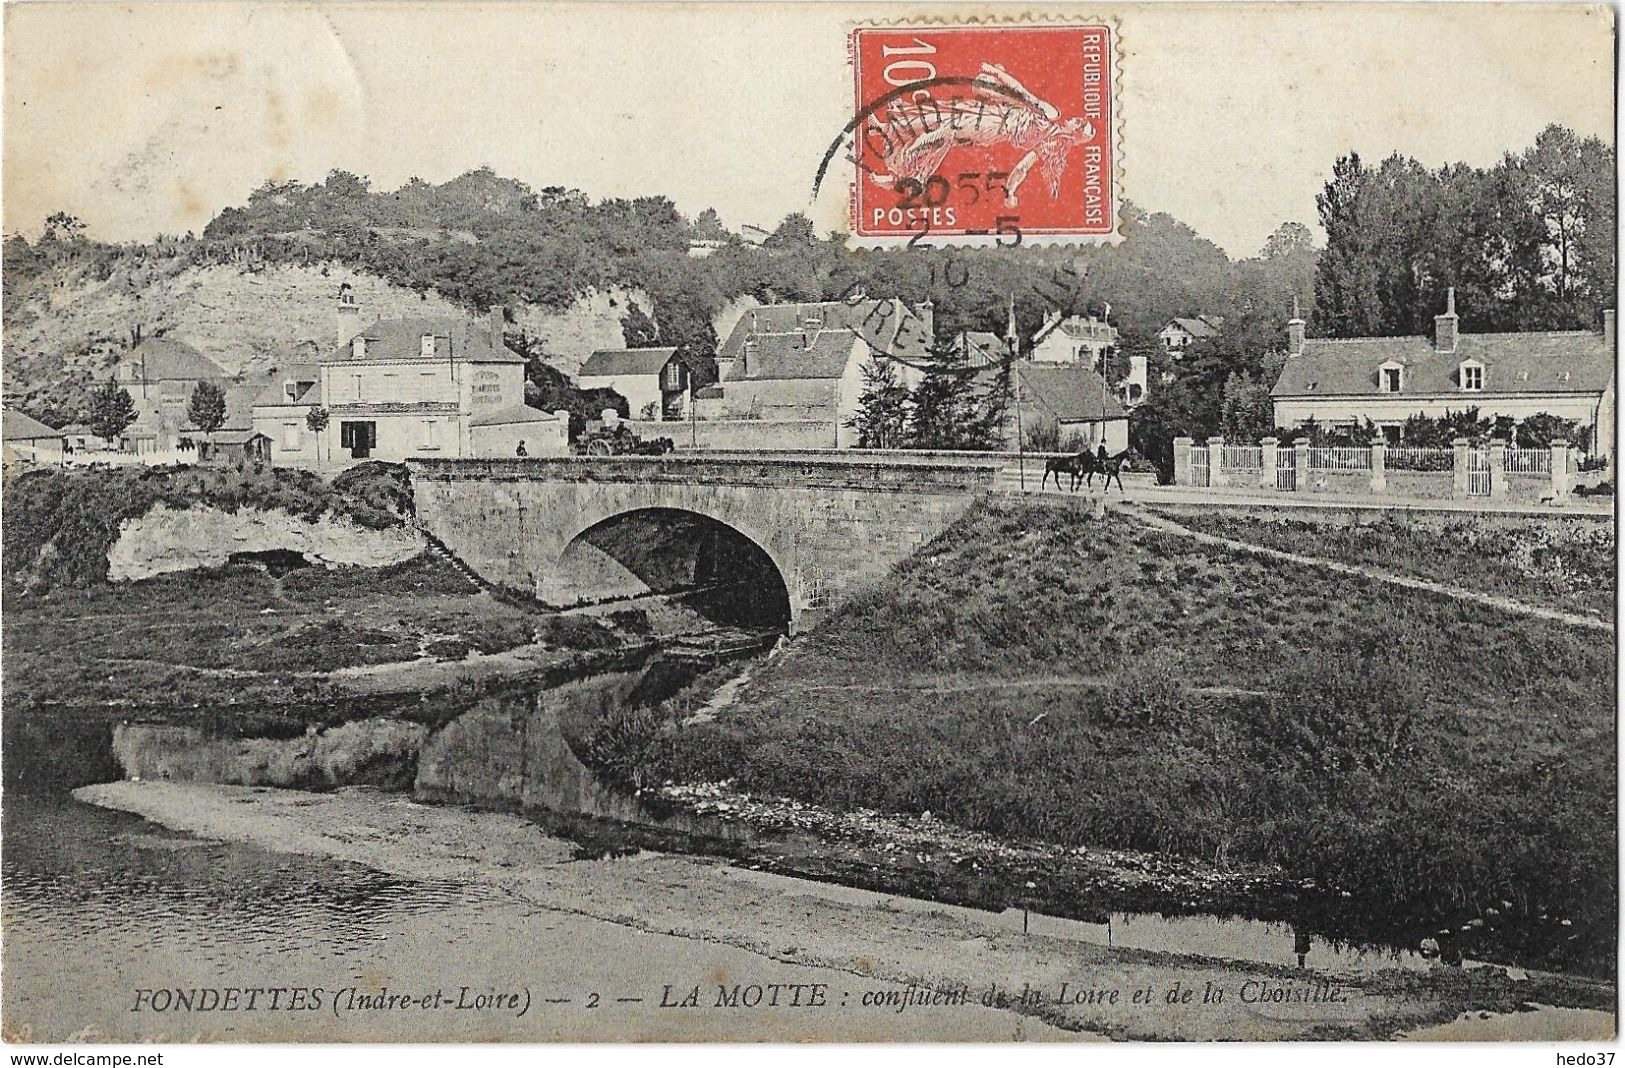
point(729, 575)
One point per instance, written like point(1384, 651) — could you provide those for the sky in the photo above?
point(149, 118)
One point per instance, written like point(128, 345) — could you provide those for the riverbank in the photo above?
point(1425, 769)
point(701, 909)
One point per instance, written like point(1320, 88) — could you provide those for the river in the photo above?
point(247, 913)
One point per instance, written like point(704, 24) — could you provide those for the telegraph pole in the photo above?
point(1013, 344)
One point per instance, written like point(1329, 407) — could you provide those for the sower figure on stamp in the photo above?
point(920, 131)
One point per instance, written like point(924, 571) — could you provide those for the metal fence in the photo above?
point(1412, 458)
point(1529, 461)
point(1241, 458)
point(1342, 458)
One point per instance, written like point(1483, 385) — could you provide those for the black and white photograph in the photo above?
point(769, 522)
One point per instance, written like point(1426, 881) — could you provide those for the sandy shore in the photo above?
point(858, 941)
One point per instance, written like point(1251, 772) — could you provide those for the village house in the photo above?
point(980, 348)
point(653, 381)
point(1176, 336)
point(1073, 401)
point(409, 387)
point(1073, 339)
point(790, 375)
point(160, 374)
point(27, 440)
point(281, 411)
point(1566, 373)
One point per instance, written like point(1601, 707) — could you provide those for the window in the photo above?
point(355, 386)
point(426, 385)
point(431, 433)
point(292, 439)
point(1472, 376)
point(1391, 377)
point(426, 347)
point(290, 389)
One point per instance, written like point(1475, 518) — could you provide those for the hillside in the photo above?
point(1039, 673)
point(69, 325)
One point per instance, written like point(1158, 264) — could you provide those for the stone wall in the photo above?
point(167, 539)
point(828, 524)
point(743, 434)
point(1428, 485)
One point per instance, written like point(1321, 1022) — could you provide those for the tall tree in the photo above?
point(882, 417)
point(111, 411)
point(952, 410)
point(207, 408)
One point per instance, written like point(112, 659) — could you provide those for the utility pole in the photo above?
point(1013, 344)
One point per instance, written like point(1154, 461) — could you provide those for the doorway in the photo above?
point(359, 436)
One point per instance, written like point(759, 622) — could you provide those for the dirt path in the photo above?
point(1505, 604)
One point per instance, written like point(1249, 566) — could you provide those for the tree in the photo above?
point(708, 226)
point(1246, 412)
point(207, 408)
point(795, 231)
point(62, 226)
point(316, 421)
point(882, 418)
point(111, 411)
point(951, 410)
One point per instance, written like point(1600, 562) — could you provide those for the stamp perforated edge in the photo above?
point(1023, 19)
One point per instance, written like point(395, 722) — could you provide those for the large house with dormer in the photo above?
point(443, 386)
point(801, 366)
point(1566, 373)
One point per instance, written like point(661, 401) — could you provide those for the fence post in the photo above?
point(1458, 468)
point(1270, 454)
point(1182, 461)
point(1300, 460)
point(1379, 465)
point(1498, 468)
point(1562, 483)
point(1215, 462)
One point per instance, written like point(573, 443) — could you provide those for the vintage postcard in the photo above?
point(560, 522)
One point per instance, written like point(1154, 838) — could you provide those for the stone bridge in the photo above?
point(809, 527)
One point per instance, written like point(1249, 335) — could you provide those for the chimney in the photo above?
point(1445, 326)
point(927, 312)
point(497, 322)
point(1608, 328)
point(1294, 331)
point(349, 315)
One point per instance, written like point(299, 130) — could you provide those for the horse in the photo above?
point(1111, 467)
point(1079, 467)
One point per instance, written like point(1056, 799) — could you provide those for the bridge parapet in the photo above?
point(829, 522)
point(872, 472)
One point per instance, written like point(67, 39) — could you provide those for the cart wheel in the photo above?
point(599, 448)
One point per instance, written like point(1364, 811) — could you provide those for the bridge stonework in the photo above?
point(830, 522)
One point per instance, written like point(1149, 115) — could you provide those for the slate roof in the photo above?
point(1077, 326)
point(982, 347)
point(887, 326)
point(1560, 361)
point(607, 362)
point(519, 413)
point(821, 354)
point(274, 393)
point(1199, 326)
point(401, 340)
point(171, 358)
point(15, 426)
point(1070, 392)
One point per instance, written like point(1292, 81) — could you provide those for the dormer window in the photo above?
point(290, 389)
point(1391, 377)
point(358, 348)
point(1472, 376)
point(426, 346)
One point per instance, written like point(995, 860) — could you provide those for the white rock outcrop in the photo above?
point(167, 539)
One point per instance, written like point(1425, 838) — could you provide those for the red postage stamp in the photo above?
point(984, 135)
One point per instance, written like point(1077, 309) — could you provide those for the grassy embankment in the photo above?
point(1558, 563)
point(1038, 673)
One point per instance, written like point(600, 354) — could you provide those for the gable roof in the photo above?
point(1557, 361)
point(889, 327)
point(1197, 326)
point(395, 340)
point(1069, 392)
point(1076, 326)
point(821, 354)
point(170, 358)
point(275, 392)
point(15, 426)
point(606, 362)
point(518, 413)
point(982, 347)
